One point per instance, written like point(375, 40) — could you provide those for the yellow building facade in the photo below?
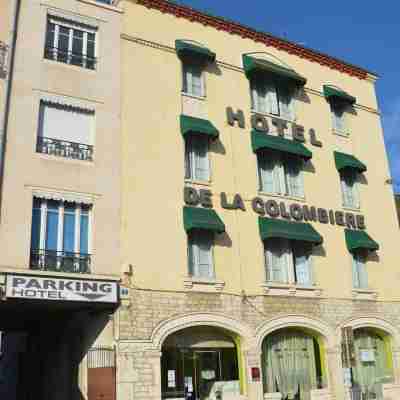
point(258, 218)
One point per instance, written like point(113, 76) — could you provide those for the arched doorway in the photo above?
point(201, 363)
point(293, 362)
point(373, 363)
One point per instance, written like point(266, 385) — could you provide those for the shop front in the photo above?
point(201, 363)
point(48, 325)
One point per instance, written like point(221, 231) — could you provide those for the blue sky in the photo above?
point(350, 30)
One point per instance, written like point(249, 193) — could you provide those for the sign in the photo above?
point(274, 209)
point(367, 355)
point(59, 289)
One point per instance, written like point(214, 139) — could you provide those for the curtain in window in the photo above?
point(84, 231)
point(196, 158)
point(348, 183)
point(289, 364)
point(278, 260)
point(286, 104)
point(271, 173)
point(338, 119)
point(193, 80)
point(303, 267)
point(36, 223)
point(360, 276)
point(69, 228)
point(200, 255)
point(294, 177)
point(66, 124)
point(265, 98)
point(52, 225)
point(371, 368)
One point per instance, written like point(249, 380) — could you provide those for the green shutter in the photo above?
point(343, 161)
point(335, 94)
point(202, 218)
point(279, 228)
point(190, 50)
point(192, 125)
point(260, 141)
point(359, 240)
point(258, 66)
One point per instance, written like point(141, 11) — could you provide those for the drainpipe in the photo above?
point(4, 114)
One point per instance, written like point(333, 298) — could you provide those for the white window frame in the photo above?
point(287, 262)
point(339, 123)
point(350, 194)
point(60, 230)
point(187, 77)
point(193, 254)
point(192, 159)
point(359, 270)
point(71, 26)
point(272, 100)
point(280, 177)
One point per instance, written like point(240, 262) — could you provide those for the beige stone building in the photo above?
point(190, 209)
point(258, 218)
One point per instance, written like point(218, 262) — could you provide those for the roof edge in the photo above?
point(235, 28)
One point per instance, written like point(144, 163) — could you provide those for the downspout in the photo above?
point(8, 89)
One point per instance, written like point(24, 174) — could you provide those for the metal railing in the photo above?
point(68, 57)
point(63, 148)
point(61, 261)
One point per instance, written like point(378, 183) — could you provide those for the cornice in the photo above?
point(234, 28)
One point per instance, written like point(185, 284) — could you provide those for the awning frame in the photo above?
point(359, 240)
point(345, 161)
point(189, 50)
point(192, 125)
point(338, 96)
point(198, 218)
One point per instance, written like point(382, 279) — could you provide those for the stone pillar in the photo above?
point(335, 373)
point(252, 359)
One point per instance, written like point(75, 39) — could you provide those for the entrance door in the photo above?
point(208, 371)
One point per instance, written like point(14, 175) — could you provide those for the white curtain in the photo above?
point(286, 104)
point(197, 160)
point(294, 177)
point(271, 173)
point(338, 119)
point(193, 82)
point(289, 364)
point(200, 255)
point(265, 98)
point(371, 369)
point(360, 276)
point(65, 123)
point(278, 260)
point(303, 265)
point(348, 181)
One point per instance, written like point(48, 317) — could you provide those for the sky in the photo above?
point(368, 36)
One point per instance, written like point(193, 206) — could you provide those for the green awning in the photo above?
point(260, 141)
point(333, 93)
point(279, 228)
point(359, 240)
point(191, 50)
point(199, 126)
point(343, 161)
point(202, 218)
point(257, 66)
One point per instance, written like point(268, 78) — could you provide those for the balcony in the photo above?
point(62, 148)
point(60, 261)
point(68, 57)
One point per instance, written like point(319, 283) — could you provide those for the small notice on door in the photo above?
point(171, 378)
point(208, 374)
point(189, 384)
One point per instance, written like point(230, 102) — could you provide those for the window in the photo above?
point(280, 174)
point(201, 255)
point(338, 113)
point(196, 158)
point(65, 131)
point(288, 262)
point(360, 277)
point(268, 98)
point(348, 181)
point(60, 236)
point(193, 79)
point(70, 43)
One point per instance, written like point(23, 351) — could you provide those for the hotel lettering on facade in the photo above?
point(190, 209)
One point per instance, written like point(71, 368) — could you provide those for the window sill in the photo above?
point(354, 209)
point(192, 96)
point(194, 182)
point(282, 196)
point(290, 121)
point(289, 289)
point(65, 159)
point(201, 284)
point(364, 294)
point(342, 134)
point(69, 66)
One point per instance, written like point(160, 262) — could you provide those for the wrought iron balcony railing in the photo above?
point(63, 148)
point(60, 261)
point(68, 57)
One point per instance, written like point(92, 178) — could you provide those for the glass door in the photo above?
point(208, 371)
